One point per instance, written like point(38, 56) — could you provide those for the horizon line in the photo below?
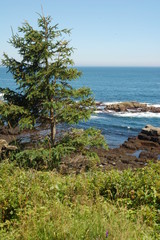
point(148, 66)
point(141, 66)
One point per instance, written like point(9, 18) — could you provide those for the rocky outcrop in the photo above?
point(3, 143)
point(147, 143)
point(150, 133)
point(133, 153)
point(131, 106)
point(5, 147)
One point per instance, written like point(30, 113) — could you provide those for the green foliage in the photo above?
point(46, 205)
point(43, 75)
point(11, 114)
point(41, 159)
point(75, 141)
point(83, 140)
point(132, 189)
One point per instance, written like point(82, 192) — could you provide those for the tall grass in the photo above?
point(46, 205)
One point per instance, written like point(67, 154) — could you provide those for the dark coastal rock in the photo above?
point(132, 107)
point(154, 109)
point(129, 145)
point(148, 155)
point(9, 131)
point(133, 153)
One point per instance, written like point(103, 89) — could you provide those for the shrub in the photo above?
point(76, 141)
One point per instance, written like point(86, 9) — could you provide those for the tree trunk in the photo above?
point(53, 126)
point(53, 132)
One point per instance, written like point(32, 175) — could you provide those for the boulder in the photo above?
point(3, 143)
point(150, 133)
point(129, 145)
point(149, 130)
point(5, 147)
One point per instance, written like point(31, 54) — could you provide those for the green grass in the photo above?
point(46, 205)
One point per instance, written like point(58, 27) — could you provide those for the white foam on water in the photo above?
point(124, 126)
point(99, 111)
point(100, 107)
point(97, 117)
point(109, 103)
point(1, 96)
point(153, 105)
point(137, 114)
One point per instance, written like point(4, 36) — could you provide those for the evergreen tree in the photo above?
point(43, 76)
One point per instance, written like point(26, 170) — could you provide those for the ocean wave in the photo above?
point(110, 103)
point(153, 105)
point(101, 104)
point(106, 103)
point(137, 114)
point(96, 117)
point(99, 111)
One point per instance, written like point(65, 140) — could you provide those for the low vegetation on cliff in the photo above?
point(47, 205)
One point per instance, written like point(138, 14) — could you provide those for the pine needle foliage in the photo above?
point(43, 76)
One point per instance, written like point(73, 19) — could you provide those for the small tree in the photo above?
point(43, 76)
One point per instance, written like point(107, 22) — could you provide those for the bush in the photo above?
point(83, 140)
point(76, 141)
point(41, 159)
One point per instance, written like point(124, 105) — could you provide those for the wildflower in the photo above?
point(107, 234)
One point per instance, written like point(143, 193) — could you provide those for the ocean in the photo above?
point(115, 84)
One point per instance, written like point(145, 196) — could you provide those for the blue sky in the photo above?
point(104, 32)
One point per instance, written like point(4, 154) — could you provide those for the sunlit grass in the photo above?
point(47, 205)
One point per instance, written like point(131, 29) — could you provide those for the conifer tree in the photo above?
point(43, 76)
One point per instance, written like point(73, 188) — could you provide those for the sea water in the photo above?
point(115, 84)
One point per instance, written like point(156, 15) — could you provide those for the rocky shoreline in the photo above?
point(127, 107)
point(134, 153)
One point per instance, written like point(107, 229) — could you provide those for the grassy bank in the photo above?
point(47, 205)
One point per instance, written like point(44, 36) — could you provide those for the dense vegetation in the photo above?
point(74, 142)
point(47, 205)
